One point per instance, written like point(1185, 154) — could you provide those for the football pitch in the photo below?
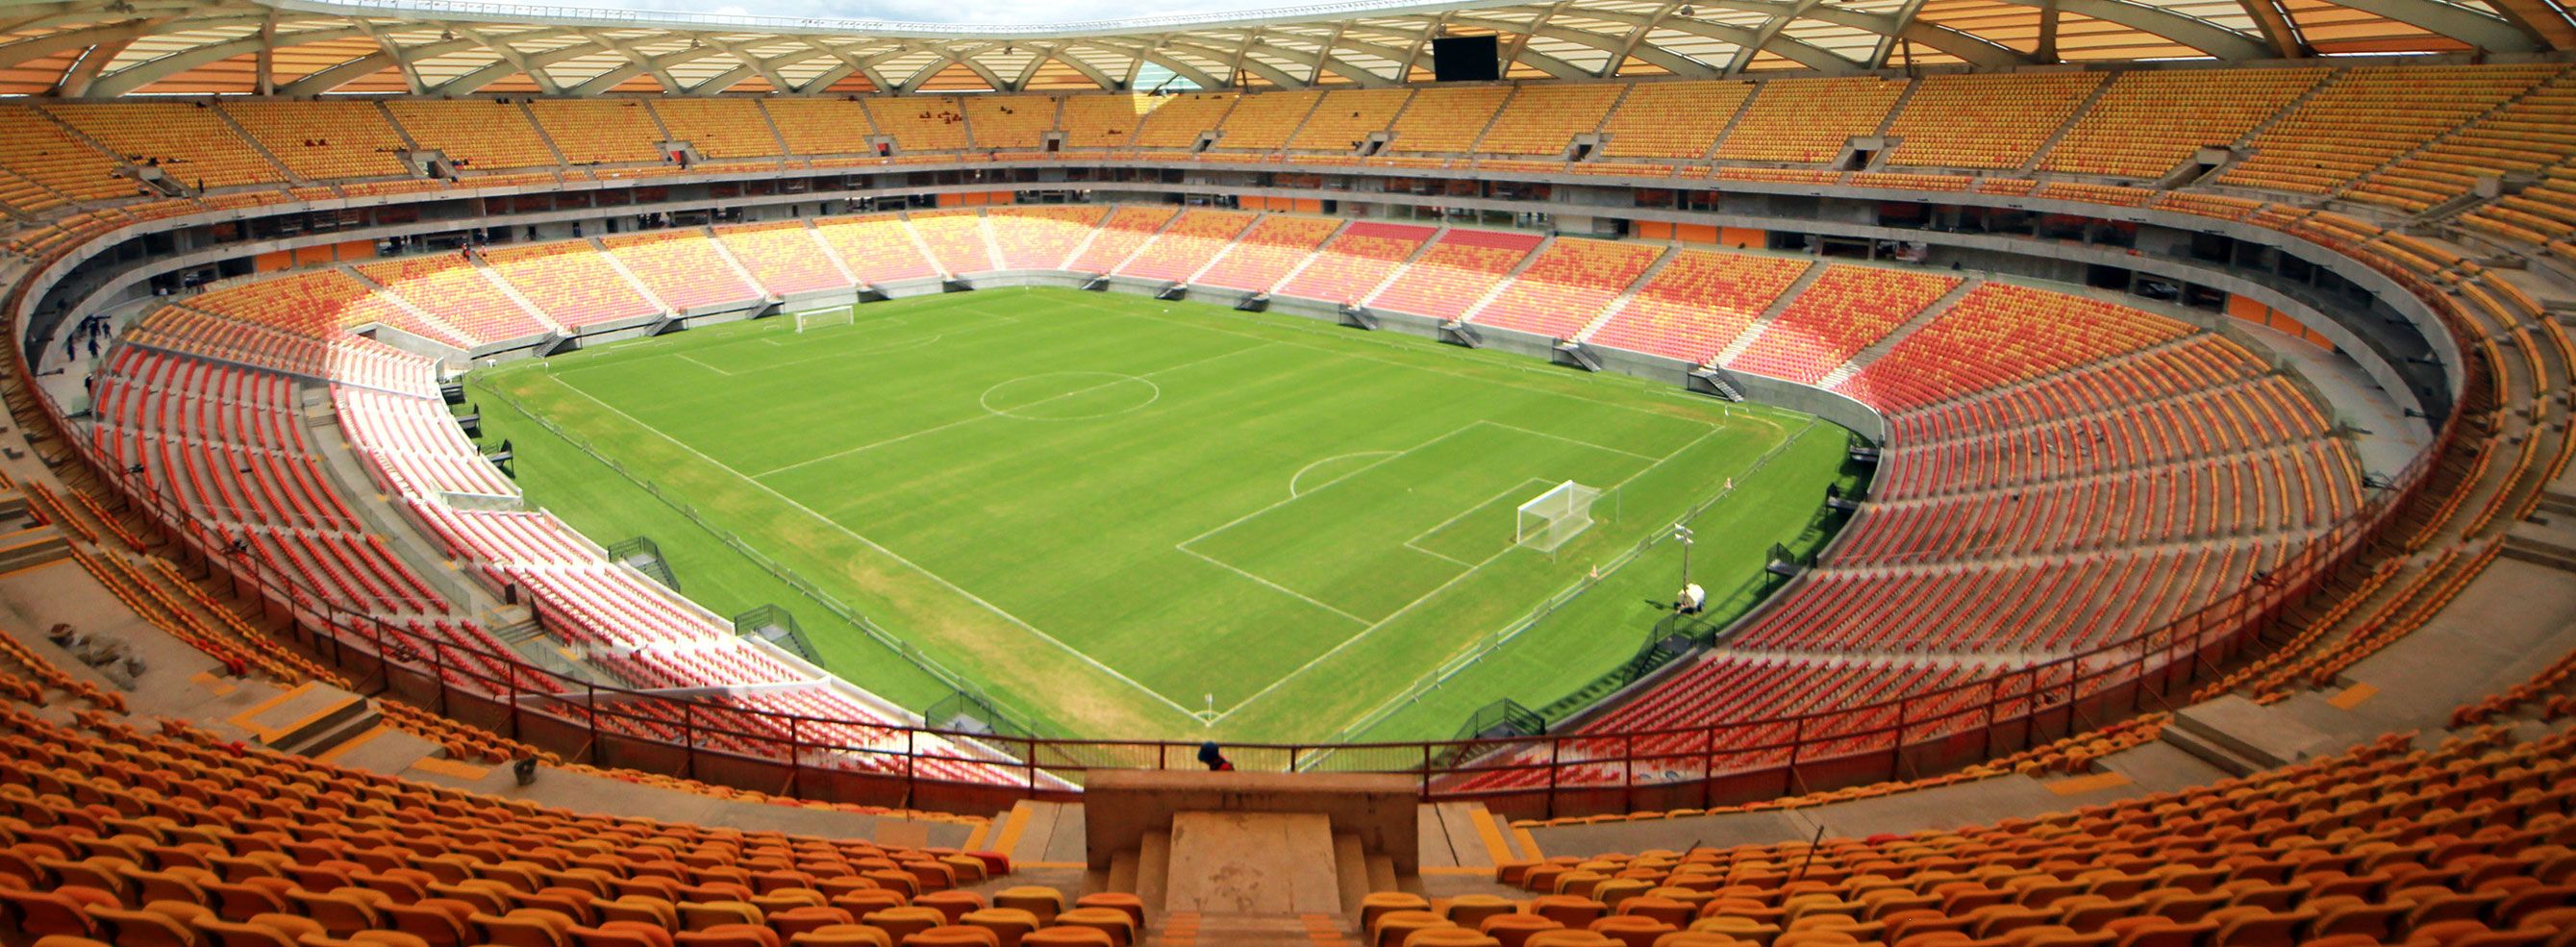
point(1118, 517)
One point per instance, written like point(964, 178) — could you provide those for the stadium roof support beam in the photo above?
point(1075, 63)
point(1319, 62)
point(2483, 32)
point(77, 80)
point(1533, 58)
point(2198, 34)
point(39, 47)
point(1618, 50)
point(146, 73)
point(1901, 25)
point(1245, 63)
point(2278, 31)
point(2540, 19)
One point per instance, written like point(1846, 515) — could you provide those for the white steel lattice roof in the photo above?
point(101, 48)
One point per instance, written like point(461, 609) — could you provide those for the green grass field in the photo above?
point(1127, 518)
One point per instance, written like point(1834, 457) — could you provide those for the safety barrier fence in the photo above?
point(1550, 775)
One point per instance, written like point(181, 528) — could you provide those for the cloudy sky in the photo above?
point(950, 11)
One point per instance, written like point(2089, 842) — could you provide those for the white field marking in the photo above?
point(1673, 394)
point(985, 400)
point(891, 554)
point(990, 413)
point(1292, 496)
point(899, 346)
point(1463, 514)
point(1463, 646)
point(1293, 492)
point(1318, 660)
point(1584, 443)
point(1293, 593)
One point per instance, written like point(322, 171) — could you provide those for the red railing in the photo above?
point(1550, 775)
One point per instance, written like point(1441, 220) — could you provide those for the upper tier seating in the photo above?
point(1643, 125)
point(682, 267)
point(956, 240)
point(2056, 444)
point(1103, 121)
point(1985, 120)
point(1458, 270)
point(877, 248)
point(1346, 117)
point(824, 126)
point(1039, 237)
point(1543, 119)
point(1268, 251)
point(2000, 334)
point(1844, 311)
point(1010, 122)
point(479, 136)
point(2527, 135)
point(321, 140)
point(1568, 286)
point(1809, 120)
point(1347, 269)
point(718, 128)
point(920, 123)
point(352, 359)
point(189, 141)
point(1188, 244)
point(593, 131)
point(459, 294)
point(1697, 303)
point(2149, 121)
point(783, 256)
point(1177, 122)
point(1446, 119)
point(571, 283)
point(1126, 229)
point(318, 303)
point(2366, 116)
point(49, 156)
point(1263, 123)
point(2049, 604)
point(2291, 486)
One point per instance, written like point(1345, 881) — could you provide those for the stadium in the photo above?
point(1666, 473)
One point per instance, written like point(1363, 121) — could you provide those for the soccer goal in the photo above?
point(824, 319)
point(1554, 518)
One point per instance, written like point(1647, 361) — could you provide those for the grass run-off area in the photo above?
point(1124, 518)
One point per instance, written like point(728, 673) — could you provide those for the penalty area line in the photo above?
point(943, 581)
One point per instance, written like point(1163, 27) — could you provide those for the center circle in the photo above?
point(1069, 396)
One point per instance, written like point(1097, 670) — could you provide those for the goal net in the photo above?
point(824, 318)
point(1554, 518)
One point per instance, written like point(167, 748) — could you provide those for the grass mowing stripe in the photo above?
point(1052, 551)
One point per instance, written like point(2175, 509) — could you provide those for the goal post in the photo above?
point(1555, 517)
point(824, 319)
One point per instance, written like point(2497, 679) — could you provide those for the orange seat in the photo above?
point(1043, 902)
point(728, 935)
point(1514, 929)
point(1131, 905)
point(954, 935)
point(1072, 936)
point(1111, 921)
point(842, 935)
point(1009, 924)
point(902, 922)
